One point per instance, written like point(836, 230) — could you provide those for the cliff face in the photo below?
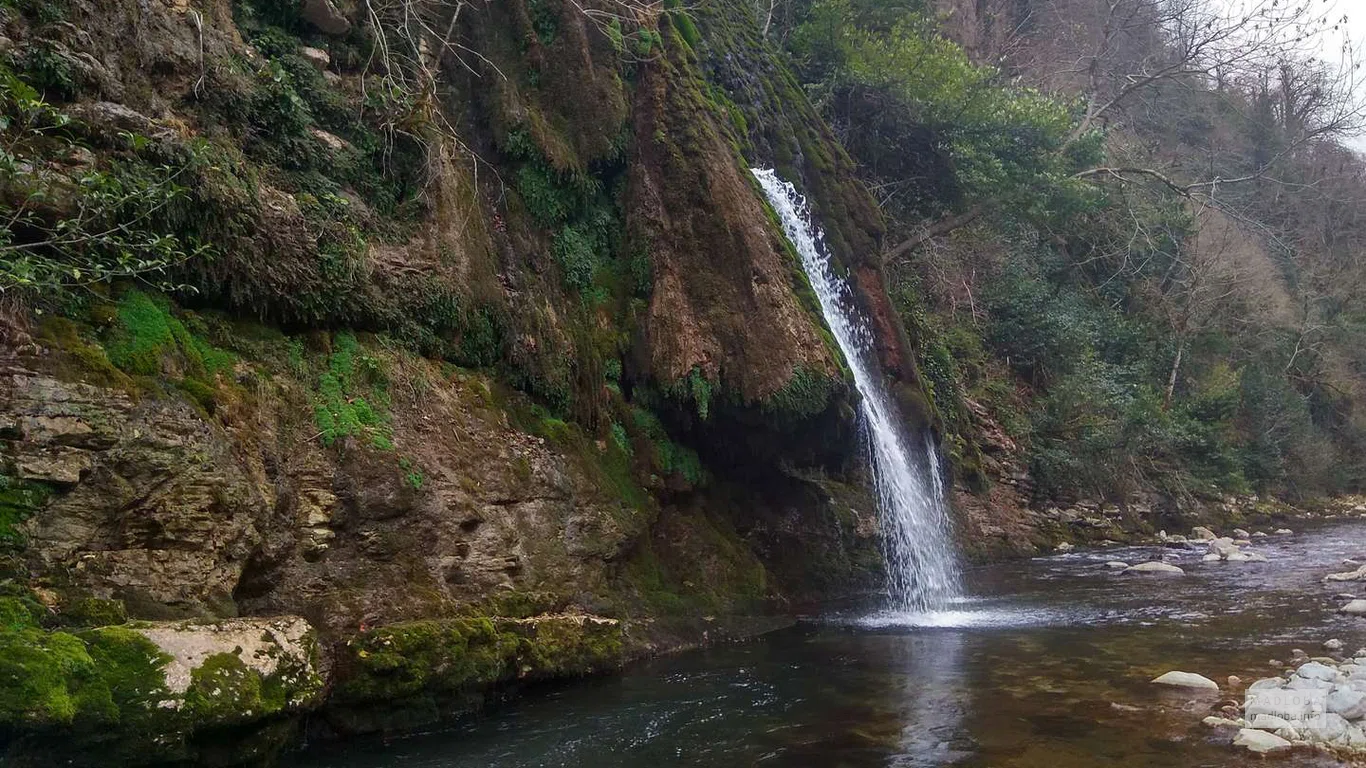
point(480, 354)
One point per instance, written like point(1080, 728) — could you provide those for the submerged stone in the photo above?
point(1154, 567)
point(1186, 680)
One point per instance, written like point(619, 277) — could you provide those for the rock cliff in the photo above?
point(474, 359)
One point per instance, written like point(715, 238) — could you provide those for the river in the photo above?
point(1047, 667)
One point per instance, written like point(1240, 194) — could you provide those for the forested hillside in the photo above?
point(1127, 232)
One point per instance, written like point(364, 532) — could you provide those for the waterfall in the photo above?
point(922, 566)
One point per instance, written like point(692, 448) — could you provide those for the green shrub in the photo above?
point(352, 397)
point(577, 257)
point(93, 224)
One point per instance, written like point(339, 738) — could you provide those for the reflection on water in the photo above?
point(1048, 669)
point(934, 703)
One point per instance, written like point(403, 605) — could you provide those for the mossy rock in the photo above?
point(91, 612)
point(148, 693)
point(407, 675)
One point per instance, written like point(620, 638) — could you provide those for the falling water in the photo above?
point(921, 562)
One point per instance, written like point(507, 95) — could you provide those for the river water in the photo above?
point(1048, 668)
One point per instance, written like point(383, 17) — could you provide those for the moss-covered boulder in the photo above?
point(150, 693)
point(406, 675)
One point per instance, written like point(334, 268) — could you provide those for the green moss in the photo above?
point(201, 394)
point(806, 394)
point(99, 697)
point(414, 673)
point(91, 612)
point(224, 690)
point(609, 466)
point(555, 430)
point(133, 669)
point(646, 575)
point(700, 566)
point(565, 646)
point(19, 500)
point(425, 659)
point(148, 334)
point(49, 679)
point(519, 604)
point(79, 359)
point(667, 457)
point(683, 24)
point(17, 613)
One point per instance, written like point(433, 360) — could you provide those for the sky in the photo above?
point(1330, 46)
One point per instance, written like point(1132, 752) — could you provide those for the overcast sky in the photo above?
point(1331, 44)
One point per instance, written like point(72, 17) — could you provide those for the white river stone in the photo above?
point(1260, 742)
point(1186, 680)
point(1348, 702)
point(1293, 705)
point(1315, 671)
point(1266, 722)
point(1326, 728)
point(1154, 567)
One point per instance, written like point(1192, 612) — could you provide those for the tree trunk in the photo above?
point(941, 227)
point(1171, 378)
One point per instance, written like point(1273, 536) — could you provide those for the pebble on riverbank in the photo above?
point(1358, 575)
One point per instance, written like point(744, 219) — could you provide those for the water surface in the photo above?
point(1048, 668)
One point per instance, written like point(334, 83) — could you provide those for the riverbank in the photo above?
point(399, 678)
point(1312, 702)
point(1047, 666)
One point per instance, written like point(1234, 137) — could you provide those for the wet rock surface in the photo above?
point(1319, 704)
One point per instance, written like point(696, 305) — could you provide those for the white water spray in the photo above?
point(922, 566)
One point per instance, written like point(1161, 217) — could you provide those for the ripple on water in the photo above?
point(985, 617)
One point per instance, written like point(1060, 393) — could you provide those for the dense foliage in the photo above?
point(1077, 281)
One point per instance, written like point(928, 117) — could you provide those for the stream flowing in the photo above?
point(922, 565)
point(1047, 667)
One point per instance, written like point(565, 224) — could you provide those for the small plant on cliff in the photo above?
point(342, 408)
point(71, 221)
